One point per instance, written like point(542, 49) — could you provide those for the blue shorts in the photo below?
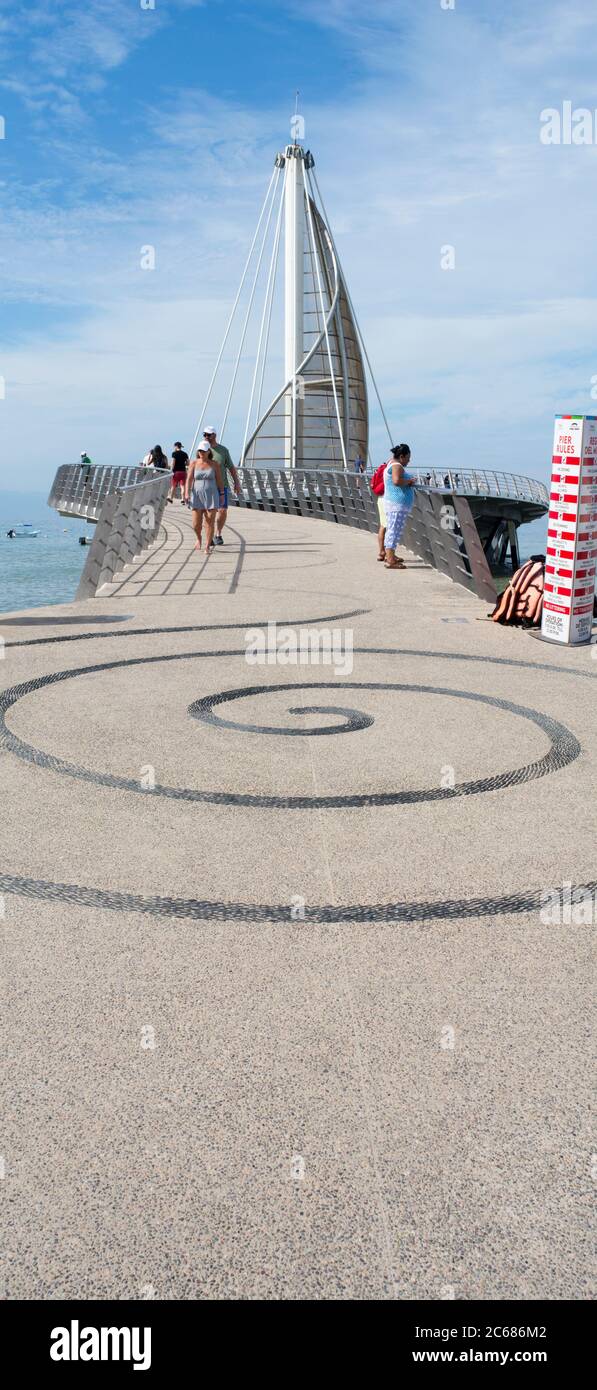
point(224, 497)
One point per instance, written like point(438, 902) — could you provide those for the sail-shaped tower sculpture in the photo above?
point(319, 416)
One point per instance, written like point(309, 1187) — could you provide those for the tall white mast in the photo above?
point(294, 243)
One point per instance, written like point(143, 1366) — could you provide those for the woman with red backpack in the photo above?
point(377, 487)
point(393, 488)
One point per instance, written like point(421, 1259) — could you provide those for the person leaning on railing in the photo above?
point(156, 458)
point(398, 501)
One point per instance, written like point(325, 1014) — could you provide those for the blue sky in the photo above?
point(126, 127)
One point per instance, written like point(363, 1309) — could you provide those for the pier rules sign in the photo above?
point(571, 557)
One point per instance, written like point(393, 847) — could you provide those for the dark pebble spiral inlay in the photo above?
point(452, 909)
point(564, 749)
point(564, 746)
point(203, 710)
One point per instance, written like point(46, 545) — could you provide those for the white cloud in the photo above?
point(75, 40)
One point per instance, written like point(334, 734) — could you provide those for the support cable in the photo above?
point(266, 348)
point(326, 414)
point(327, 336)
point(356, 322)
point(266, 306)
point(232, 313)
point(267, 332)
point(248, 313)
point(309, 355)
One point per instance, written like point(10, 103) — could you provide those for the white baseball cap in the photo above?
point(209, 429)
point(204, 446)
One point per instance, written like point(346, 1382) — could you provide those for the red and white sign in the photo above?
point(571, 558)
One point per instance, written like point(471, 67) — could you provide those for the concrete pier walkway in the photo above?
point(281, 1017)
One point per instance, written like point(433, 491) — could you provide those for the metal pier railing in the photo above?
point(480, 482)
point(81, 489)
point(474, 482)
point(440, 530)
point(128, 504)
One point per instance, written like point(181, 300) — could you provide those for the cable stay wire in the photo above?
point(232, 314)
point(269, 286)
point(325, 321)
point(328, 408)
point(250, 306)
point(352, 308)
point(267, 337)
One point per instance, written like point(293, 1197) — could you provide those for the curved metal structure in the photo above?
point(319, 417)
point(483, 482)
point(126, 505)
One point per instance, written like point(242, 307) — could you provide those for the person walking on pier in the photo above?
point(222, 457)
point(180, 459)
point(398, 500)
point(359, 468)
point(204, 484)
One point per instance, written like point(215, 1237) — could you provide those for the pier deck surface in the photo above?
point(210, 1096)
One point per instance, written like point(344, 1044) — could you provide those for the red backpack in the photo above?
point(378, 480)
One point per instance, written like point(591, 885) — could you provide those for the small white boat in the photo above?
point(23, 531)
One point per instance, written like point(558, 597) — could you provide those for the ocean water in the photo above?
point(43, 570)
point(532, 538)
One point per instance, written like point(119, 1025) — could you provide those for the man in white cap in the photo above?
point(222, 456)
